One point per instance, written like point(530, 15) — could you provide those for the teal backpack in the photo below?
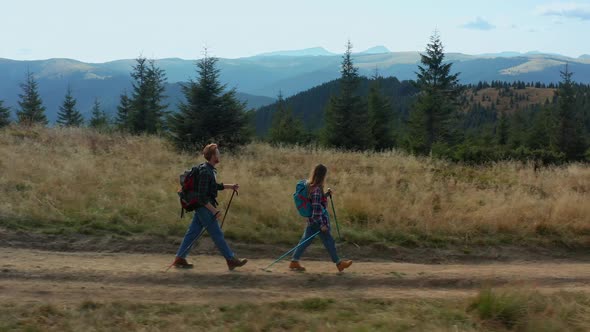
point(301, 198)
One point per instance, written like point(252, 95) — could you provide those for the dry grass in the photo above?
point(504, 310)
point(63, 180)
point(527, 310)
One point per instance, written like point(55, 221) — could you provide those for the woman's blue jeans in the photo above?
point(326, 237)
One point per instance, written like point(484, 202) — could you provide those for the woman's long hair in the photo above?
point(318, 176)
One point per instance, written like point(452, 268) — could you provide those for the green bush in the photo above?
point(505, 308)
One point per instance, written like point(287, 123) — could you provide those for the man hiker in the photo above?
point(206, 214)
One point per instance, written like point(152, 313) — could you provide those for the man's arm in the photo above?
point(235, 187)
point(203, 190)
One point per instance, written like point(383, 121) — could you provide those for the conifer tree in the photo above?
point(346, 116)
point(31, 110)
point(285, 128)
point(209, 113)
point(99, 119)
point(4, 115)
point(68, 115)
point(570, 136)
point(432, 115)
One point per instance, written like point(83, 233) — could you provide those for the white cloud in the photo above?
point(479, 24)
point(566, 10)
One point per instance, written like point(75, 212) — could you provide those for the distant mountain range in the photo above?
point(314, 51)
point(259, 79)
point(320, 51)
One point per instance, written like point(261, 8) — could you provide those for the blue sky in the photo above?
point(105, 30)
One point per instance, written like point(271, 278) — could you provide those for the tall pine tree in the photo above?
point(99, 119)
point(285, 128)
point(541, 133)
point(123, 111)
point(570, 135)
point(432, 115)
point(68, 115)
point(31, 110)
point(147, 97)
point(380, 115)
point(209, 113)
point(518, 125)
point(4, 115)
point(346, 117)
point(157, 108)
point(503, 129)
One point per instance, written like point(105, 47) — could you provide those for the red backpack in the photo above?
point(188, 192)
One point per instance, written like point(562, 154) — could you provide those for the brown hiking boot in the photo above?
point(181, 263)
point(236, 262)
point(343, 265)
point(295, 266)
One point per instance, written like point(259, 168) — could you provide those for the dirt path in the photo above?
point(450, 254)
point(28, 276)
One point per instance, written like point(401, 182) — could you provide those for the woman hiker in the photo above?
point(319, 220)
point(206, 215)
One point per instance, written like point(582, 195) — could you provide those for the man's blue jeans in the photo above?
point(204, 218)
point(326, 237)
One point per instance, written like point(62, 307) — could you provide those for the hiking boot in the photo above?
point(295, 266)
point(343, 265)
point(181, 263)
point(236, 262)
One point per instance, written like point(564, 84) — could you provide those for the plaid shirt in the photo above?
point(207, 185)
point(319, 214)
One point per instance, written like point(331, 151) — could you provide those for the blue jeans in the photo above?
point(326, 237)
point(204, 218)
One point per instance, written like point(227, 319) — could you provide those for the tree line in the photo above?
point(436, 122)
point(424, 117)
point(209, 111)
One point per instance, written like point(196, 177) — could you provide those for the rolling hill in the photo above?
point(259, 79)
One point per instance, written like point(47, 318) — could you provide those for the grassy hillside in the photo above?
point(509, 101)
point(80, 181)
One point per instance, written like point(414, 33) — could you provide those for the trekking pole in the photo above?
point(335, 218)
point(228, 205)
point(203, 230)
point(290, 251)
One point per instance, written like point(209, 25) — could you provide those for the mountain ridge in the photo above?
point(261, 78)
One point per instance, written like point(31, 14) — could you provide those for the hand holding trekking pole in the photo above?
point(234, 187)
